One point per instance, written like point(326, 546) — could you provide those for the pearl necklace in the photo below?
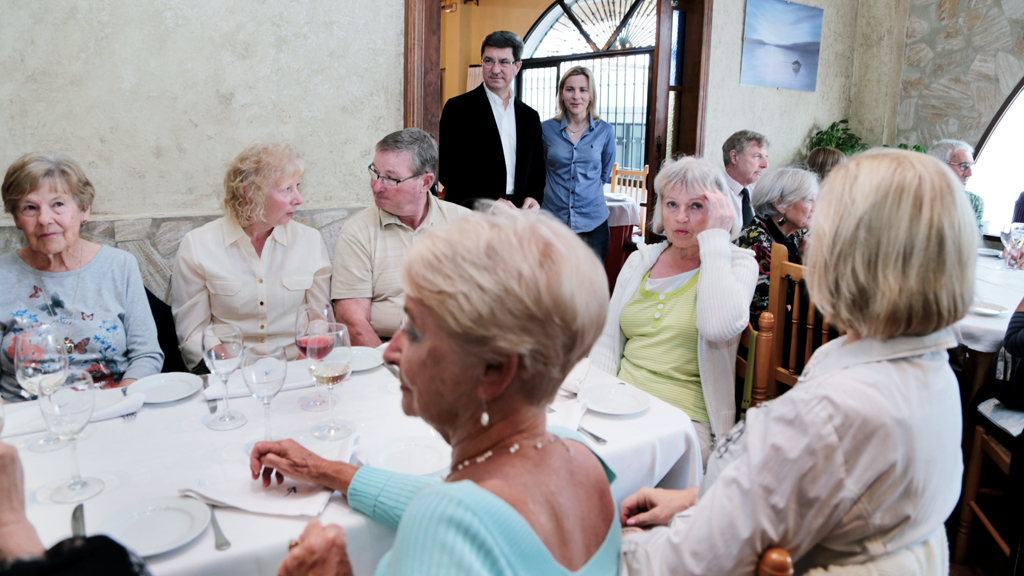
point(481, 458)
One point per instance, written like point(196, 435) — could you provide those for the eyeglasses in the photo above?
point(389, 181)
point(504, 62)
point(963, 166)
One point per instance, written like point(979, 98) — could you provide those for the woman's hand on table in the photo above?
point(651, 506)
point(720, 212)
point(320, 551)
point(288, 458)
point(18, 539)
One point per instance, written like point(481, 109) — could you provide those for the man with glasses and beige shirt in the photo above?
point(490, 141)
point(365, 286)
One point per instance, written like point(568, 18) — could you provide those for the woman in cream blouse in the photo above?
point(254, 267)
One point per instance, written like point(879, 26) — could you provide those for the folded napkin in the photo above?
point(25, 417)
point(597, 376)
point(297, 377)
point(567, 414)
point(290, 498)
point(575, 377)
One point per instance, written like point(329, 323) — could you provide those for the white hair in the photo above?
point(943, 149)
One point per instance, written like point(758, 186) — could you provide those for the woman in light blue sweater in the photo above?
point(501, 306)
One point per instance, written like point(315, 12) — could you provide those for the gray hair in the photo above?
point(504, 39)
point(739, 142)
point(943, 149)
point(691, 174)
point(785, 186)
point(420, 146)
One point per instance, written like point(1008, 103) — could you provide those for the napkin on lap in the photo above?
point(567, 414)
point(25, 417)
point(296, 377)
point(291, 498)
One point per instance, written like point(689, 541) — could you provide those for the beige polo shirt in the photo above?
point(369, 254)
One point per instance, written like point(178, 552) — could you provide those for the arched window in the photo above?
point(615, 39)
point(997, 177)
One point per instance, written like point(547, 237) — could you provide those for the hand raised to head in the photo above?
point(720, 211)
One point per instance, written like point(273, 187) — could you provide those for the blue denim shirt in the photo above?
point(576, 173)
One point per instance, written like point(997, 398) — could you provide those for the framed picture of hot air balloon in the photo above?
point(781, 44)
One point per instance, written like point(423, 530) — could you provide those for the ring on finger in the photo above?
point(293, 544)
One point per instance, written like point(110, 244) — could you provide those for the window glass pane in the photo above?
point(997, 177)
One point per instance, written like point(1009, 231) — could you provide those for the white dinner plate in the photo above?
point(169, 387)
point(615, 399)
point(158, 525)
point(986, 308)
point(411, 455)
point(990, 252)
point(364, 358)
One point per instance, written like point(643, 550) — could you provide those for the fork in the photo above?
point(130, 417)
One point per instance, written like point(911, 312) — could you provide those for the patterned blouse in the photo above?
point(759, 236)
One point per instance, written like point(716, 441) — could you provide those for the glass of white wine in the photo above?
point(67, 410)
point(40, 366)
point(222, 351)
point(331, 351)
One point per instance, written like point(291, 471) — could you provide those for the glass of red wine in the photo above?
point(311, 315)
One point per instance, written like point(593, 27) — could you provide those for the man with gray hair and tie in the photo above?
point(959, 156)
point(745, 154)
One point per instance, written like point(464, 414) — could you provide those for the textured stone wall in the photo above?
point(963, 58)
point(155, 97)
point(154, 241)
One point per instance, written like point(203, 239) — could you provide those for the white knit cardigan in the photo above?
point(725, 288)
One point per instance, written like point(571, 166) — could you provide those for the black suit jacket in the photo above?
point(472, 164)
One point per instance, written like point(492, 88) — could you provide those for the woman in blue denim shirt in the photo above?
point(579, 151)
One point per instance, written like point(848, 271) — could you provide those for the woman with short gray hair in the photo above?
point(783, 204)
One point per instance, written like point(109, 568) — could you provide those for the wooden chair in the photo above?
point(775, 562)
point(798, 327)
point(983, 445)
point(762, 357)
point(633, 183)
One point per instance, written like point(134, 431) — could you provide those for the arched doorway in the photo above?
point(997, 177)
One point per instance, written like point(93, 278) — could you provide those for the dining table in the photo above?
point(164, 448)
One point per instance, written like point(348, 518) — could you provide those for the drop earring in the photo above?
point(781, 221)
point(485, 418)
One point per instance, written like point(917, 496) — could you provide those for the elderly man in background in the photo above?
point(491, 143)
point(365, 287)
point(959, 156)
point(745, 154)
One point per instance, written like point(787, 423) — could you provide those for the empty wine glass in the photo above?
point(331, 351)
point(222, 351)
point(310, 315)
point(40, 365)
point(1007, 239)
point(67, 410)
point(263, 369)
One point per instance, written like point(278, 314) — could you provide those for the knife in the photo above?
point(78, 522)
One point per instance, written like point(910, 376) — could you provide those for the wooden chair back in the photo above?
point(775, 562)
point(983, 445)
point(632, 183)
point(799, 329)
point(762, 358)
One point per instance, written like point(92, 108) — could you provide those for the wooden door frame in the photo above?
point(422, 97)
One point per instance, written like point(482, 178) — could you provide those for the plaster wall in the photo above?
point(155, 98)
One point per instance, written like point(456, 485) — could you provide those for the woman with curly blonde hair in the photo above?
point(255, 266)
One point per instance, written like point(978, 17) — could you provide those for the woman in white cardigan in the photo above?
point(680, 306)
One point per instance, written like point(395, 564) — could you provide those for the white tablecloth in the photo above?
point(622, 210)
point(167, 448)
point(996, 285)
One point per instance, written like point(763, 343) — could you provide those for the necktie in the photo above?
point(748, 214)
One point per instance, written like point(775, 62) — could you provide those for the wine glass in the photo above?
point(66, 410)
point(40, 365)
point(331, 351)
point(263, 369)
point(1007, 239)
point(309, 315)
point(222, 351)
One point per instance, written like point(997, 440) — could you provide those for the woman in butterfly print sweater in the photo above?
point(92, 294)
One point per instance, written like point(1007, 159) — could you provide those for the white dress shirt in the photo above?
point(219, 279)
point(861, 459)
point(505, 118)
point(734, 194)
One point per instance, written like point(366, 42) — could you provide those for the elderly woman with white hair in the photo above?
point(783, 204)
point(500, 306)
point(679, 307)
point(861, 461)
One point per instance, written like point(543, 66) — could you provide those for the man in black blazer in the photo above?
point(490, 142)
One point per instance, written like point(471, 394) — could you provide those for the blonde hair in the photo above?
point(512, 282)
point(691, 174)
point(578, 71)
point(253, 173)
point(894, 245)
point(30, 171)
